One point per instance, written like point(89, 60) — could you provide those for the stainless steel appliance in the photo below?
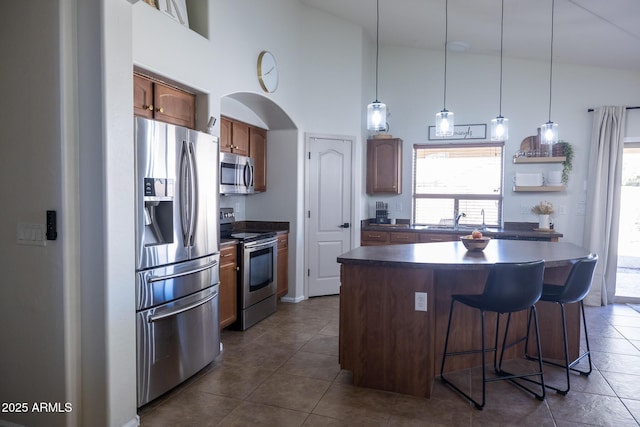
point(236, 174)
point(177, 255)
point(257, 274)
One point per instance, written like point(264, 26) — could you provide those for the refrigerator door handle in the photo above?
point(184, 194)
point(193, 190)
point(188, 307)
point(152, 279)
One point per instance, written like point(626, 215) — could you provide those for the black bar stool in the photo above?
point(510, 287)
point(574, 290)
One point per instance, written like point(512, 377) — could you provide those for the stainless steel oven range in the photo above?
point(257, 274)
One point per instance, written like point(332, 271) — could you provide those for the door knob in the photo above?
point(345, 225)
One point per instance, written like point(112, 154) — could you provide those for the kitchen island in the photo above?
point(388, 345)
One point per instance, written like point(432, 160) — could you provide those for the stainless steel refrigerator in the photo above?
point(177, 255)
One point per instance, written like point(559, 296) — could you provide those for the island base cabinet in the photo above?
point(388, 345)
point(383, 340)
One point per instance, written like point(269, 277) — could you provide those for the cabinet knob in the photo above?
point(160, 110)
point(147, 107)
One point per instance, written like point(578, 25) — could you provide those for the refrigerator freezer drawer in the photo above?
point(175, 341)
point(161, 285)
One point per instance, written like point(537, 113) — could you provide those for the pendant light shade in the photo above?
point(500, 129)
point(444, 123)
point(444, 119)
point(500, 125)
point(549, 130)
point(549, 133)
point(377, 116)
point(377, 111)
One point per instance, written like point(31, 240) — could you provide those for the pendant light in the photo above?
point(444, 119)
point(500, 125)
point(549, 130)
point(377, 111)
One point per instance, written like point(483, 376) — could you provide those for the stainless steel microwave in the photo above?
point(236, 174)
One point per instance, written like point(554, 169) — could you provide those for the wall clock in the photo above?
point(267, 71)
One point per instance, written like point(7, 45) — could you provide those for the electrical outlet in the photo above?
point(421, 301)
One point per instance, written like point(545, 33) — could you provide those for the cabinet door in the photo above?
point(228, 286)
point(373, 238)
point(400, 238)
point(384, 166)
point(436, 237)
point(240, 138)
point(225, 135)
point(142, 97)
point(283, 264)
point(258, 151)
point(174, 106)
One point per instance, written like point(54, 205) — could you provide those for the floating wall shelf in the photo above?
point(540, 188)
point(539, 159)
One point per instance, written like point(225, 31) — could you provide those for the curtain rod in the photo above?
point(628, 108)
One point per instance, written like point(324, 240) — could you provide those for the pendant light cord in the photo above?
point(446, 41)
point(377, 42)
point(501, 48)
point(551, 59)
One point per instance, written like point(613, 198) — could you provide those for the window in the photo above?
point(450, 179)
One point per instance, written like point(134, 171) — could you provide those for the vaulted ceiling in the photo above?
point(603, 33)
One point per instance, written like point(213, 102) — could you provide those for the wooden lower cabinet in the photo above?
point(374, 238)
point(228, 297)
point(283, 264)
point(437, 237)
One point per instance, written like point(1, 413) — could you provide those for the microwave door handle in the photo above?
point(248, 177)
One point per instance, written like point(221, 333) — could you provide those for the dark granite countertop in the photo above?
point(455, 255)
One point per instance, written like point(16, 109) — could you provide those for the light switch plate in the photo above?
point(31, 234)
point(421, 301)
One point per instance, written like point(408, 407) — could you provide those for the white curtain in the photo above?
point(603, 200)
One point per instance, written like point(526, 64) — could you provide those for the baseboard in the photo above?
point(293, 300)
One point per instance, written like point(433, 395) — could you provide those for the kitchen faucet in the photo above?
point(460, 215)
point(484, 226)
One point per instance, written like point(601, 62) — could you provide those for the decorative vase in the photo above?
point(544, 223)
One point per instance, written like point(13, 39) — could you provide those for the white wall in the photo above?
point(411, 83)
point(32, 291)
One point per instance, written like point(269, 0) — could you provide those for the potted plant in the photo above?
point(567, 165)
point(543, 210)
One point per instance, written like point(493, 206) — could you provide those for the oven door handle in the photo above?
point(152, 279)
point(191, 306)
point(261, 244)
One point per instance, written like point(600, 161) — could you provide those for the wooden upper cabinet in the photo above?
point(142, 97)
point(384, 166)
point(258, 151)
point(234, 136)
point(174, 106)
point(155, 100)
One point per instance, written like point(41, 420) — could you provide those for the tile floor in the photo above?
point(284, 372)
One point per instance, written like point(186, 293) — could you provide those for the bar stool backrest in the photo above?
point(512, 287)
point(579, 280)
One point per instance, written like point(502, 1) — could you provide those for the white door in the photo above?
point(328, 214)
